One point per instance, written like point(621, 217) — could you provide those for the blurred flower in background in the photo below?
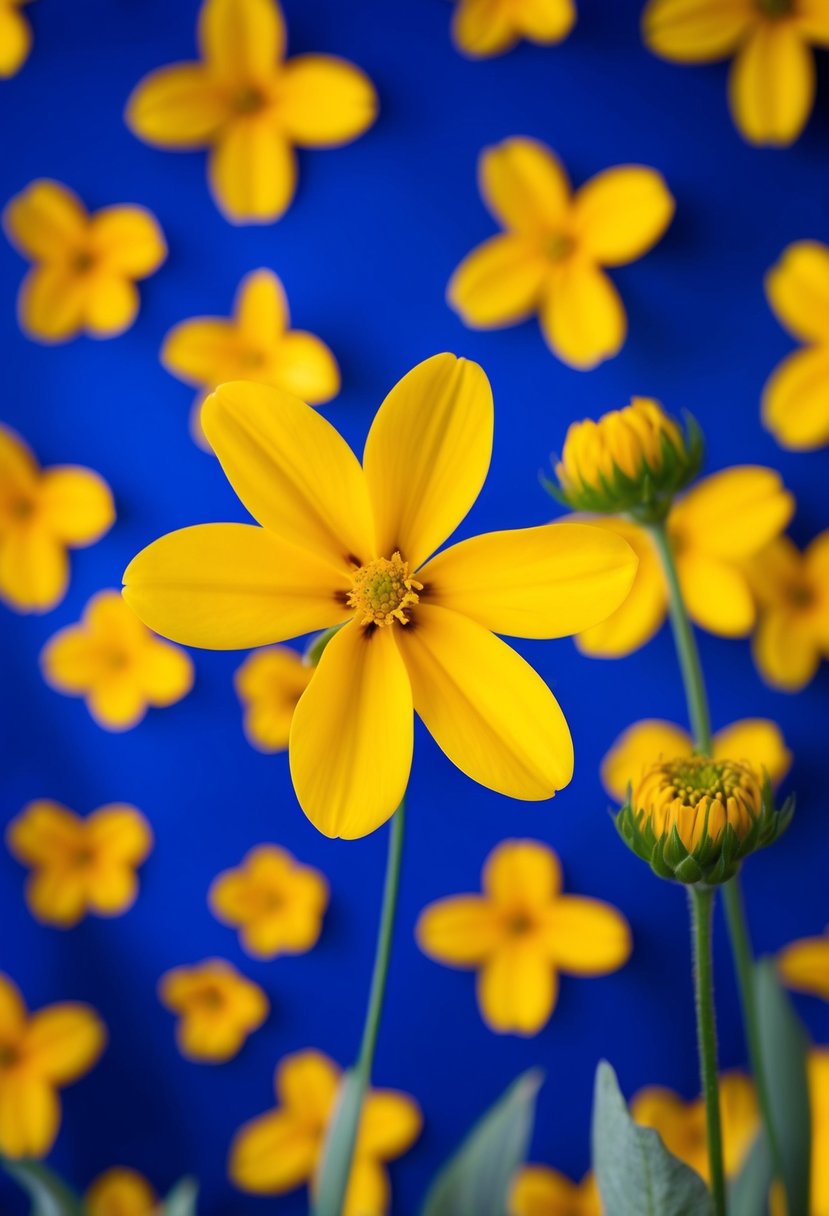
point(792, 589)
point(269, 683)
point(121, 1192)
point(481, 28)
point(540, 1191)
point(804, 965)
point(218, 1009)
point(15, 37)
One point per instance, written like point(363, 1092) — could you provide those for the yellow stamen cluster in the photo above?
point(383, 590)
point(629, 440)
point(700, 798)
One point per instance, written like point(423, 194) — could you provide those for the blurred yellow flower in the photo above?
point(792, 589)
point(549, 259)
point(771, 85)
point(40, 1053)
point(79, 865)
point(345, 545)
point(540, 1191)
point(804, 965)
point(15, 37)
point(121, 1192)
point(722, 522)
point(85, 266)
point(269, 684)
point(218, 1009)
point(116, 664)
point(254, 344)
point(796, 397)
point(251, 107)
point(756, 741)
point(44, 512)
point(276, 904)
point(481, 28)
point(280, 1151)
point(520, 933)
point(819, 1096)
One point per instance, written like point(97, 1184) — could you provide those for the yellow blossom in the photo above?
point(85, 266)
point(255, 344)
point(804, 965)
point(44, 512)
point(698, 798)
point(15, 37)
point(121, 1192)
point(79, 865)
point(116, 664)
point(792, 634)
point(521, 933)
point(251, 107)
point(218, 1009)
point(269, 684)
point(276, 904)
point(40, 1053)
point(344, 545)
point(549, 259)
point(771, 85)
point(540, 1191)
point(281, 1150)
point(481, 28)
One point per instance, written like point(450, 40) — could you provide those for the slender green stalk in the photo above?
point(702, 906)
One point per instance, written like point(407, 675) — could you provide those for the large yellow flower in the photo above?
point(804, 965)
point(218, 1009)
point(771, 85)
point(15, 37)
point(44, 512)
point(792, 633)
point(269, 684)
point(345, 545)
point(540, 1191)
point(481, 28)
point(722, 522)
point(550, 256)
point(276, 903)
point(251, 107)
point(521, 933)
point(121, 1192)
point(85, 266)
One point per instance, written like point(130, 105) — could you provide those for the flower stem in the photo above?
point(702, 905)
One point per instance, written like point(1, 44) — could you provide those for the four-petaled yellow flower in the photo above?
point(550, 257)
point(15, 37)
point(804, 965)
point(540, 1191)
point(116, 664)
point(521, 933)
point(771, 85)
point(254, 344)
point(44, 512)
point(40, 1053)
point(85, 266)
point(792, 589)
point(345, 545)
point(281, 1150)
point(481, 28)
point(721, 523)
point(121, 1192)
point(276, 904)
point(251, 107)
point(218, 1009)
point(269, 684)
point(79, 865)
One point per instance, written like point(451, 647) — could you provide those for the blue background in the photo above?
point(365, 254)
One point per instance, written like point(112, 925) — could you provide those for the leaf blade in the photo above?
point(49, 1194)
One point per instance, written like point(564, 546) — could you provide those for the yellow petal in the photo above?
point(491, 714)
point(15, 41)
point(757, 741)
point(717, 594)
point(545, 21)
point(483, 27)
point(324, 101)
point(642, 613)
point(111, 304)
point(112, 890)
point(117, 703)
point(12, 1010)
point(525, 187)
point(797, 288)
point(242, 39)
point(796, 400)
point(34, 571)
point(209, 1039)
point(460, 931)
point(165, 673)
point(203, 351)
point(733, 513)
point(640, 746)
point(51, 304)
point(621, 213)
point(69, 661)
point(57, 896)
point(369, 1191)
point(389, 1125)
point(18, 467)
point(772, 84)
point(787, 657)
point(812, 18)
point(273, 1154)
point(524, 872)
point(119, 833)
point(128, 240)
point(427, 455)
point(740, 1119)
point(351, 735)
point(178, 107)
point(29, 1115)
point(696, 31)
point(775, 567)
point(583, 319)
point(546, 582)
point(680, 1124)
point(64, 1041)
point(517, 990)
point(46, 221)
point(76, 504)
point(586, 936)
point(121, 1192)
point(804, 966)
point(43, 833)
point(498, 283)
point(539, 1191)
point(306, 1084)
point(252, 171)
point(261, 307)
point(305, 367)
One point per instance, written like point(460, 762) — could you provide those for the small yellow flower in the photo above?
point(540, 1191)
point(40, 1053)
point(281, 1150)
point(15, 37)
point(276, 904)
point(804, 965)
point(481, 28)
point(116, 664)
point(792, 634)
point(85, 266)
point(79, 865)
point(44, 512)
point(269, 684)
point(251, 107)
point(254, 344)
point(342, 544)
point(771, 85)
point(218, 1009)
point(549, 259)
point(121, 1192)
point(521, 933)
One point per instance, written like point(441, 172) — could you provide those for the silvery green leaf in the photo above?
point(50, 1196)
point(181, 1201)
point(748, 1194)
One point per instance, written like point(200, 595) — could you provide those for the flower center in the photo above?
point(21, 508)
point(249, 100)
point(82, 262)
point(211, 997)
point(519, 924)
point(82, 858)
point(775, 8)
point(383, 590)
point(9, 1055)
point(800, 595)
point(559, 246)
point(697, 777)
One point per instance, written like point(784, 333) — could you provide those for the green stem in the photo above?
point(702, 905)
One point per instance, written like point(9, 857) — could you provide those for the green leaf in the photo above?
point(637, 1176)
point(334, 1169)
point(50, 1196)
point(181, 1201)
point(477, 1180)
point(748, 1194)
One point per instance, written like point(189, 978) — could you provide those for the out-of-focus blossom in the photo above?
point(481, 28)
point(792, 634)
point(269, 684)
point(804, 965)
point(15, 37)
point(540, 1191)
point(121, 1192)
point(217, 1007)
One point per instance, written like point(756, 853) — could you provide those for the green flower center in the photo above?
point(382, 591)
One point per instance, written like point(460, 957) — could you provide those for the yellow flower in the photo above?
point(819, 1094)
point(520, 933)
point(40, 1053)
point(539, 1191)
point(792, 634)
point(15, 37)
point(218, 1009)
point(481, 28)
point(121, 1192)
point(269, 684)
point(280, 1151)
point(804, 965)
point(549, 259)
point(254, 344)
point(251, 107)
point(715, 529)
point(79, 865)
point(771, 85)
point(345, 545)
point(85, 266)
point(796, 397)
point(44, 512)
point(276, 904)
point(116, 664)
point(755, 741)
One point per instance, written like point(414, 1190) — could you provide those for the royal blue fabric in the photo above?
point(365, 253)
